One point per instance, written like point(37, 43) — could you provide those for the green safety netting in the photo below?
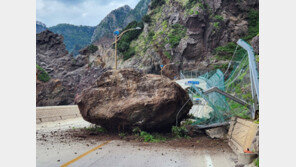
point(237, 80)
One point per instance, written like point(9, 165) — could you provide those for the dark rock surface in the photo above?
point(124, 99)
point(69, 75)
point(210, 25)
point(255, 44)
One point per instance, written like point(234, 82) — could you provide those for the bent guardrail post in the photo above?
point(253, 74)
point(252, 64)
point(217, 90)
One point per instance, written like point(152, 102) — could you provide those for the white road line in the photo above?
point(209, 161)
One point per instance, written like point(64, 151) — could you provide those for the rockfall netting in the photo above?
point(237, 84)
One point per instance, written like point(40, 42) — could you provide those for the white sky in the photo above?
point(77, 12)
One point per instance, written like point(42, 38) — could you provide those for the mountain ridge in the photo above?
point(119, 19)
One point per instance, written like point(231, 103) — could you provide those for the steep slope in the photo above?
point(118, 19)
point(139, 11)
point(75, 37)
point(40, 27)
point(59, 75)
point(186, 33)
point(114, 20)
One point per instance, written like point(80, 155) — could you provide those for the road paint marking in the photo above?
point(82, 155)
point(209, 161)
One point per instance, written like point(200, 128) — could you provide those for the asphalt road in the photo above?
point(118, 153)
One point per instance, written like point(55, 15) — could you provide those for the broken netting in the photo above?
point(218, 108)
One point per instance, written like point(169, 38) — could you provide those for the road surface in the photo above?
point(56, 149)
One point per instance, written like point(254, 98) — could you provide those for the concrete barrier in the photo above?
point(242, 134)
point(55, 113)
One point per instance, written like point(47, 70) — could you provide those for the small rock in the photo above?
point(218, 133)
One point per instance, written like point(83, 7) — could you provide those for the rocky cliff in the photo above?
point(68, 75)
point(40, 27)
point(182, 34)
point(118, 19)
point(186, 34)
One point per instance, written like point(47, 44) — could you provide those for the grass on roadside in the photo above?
point(95, 128)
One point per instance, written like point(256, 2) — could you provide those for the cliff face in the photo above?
point(118, 19)
point(182, 34)
point(40, 27)
point(185, 33)
point(68, 75)
point(114, 20)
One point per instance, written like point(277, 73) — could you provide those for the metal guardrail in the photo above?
point(240, 101)
point(254, 79)
point(253, 74)
point(252, 64)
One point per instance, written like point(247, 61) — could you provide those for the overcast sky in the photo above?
point(77, 12)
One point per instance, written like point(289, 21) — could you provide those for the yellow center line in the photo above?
point(82, 155)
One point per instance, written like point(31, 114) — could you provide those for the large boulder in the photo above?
point(127, 98)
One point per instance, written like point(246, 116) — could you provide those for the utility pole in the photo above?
point(115, 52)
point(117, 38)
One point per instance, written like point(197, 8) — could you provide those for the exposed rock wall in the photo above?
point(68, 75)
point(207, 25)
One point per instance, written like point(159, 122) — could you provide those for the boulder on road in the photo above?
point(127, 98)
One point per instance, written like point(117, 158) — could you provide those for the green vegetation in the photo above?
point(167, 54)
point(219, 17)
point(216, 24)
point(126, 39)
point(222, 67)
point(122, 135)
point(239, 85)
point(92, 48)
point(225, 51)
point(147, 137)
point(95, 128)
point(156, 3)
point(176, 34)
point(146, 19)
point(43, 75)
point(75, 37)
point(256, 162)
point(239, 110)
point(129, 53)
point(190, 4)
point(180, 131)
point(150, 35)
point(253, 24)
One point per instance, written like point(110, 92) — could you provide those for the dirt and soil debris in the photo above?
point(89, 135)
